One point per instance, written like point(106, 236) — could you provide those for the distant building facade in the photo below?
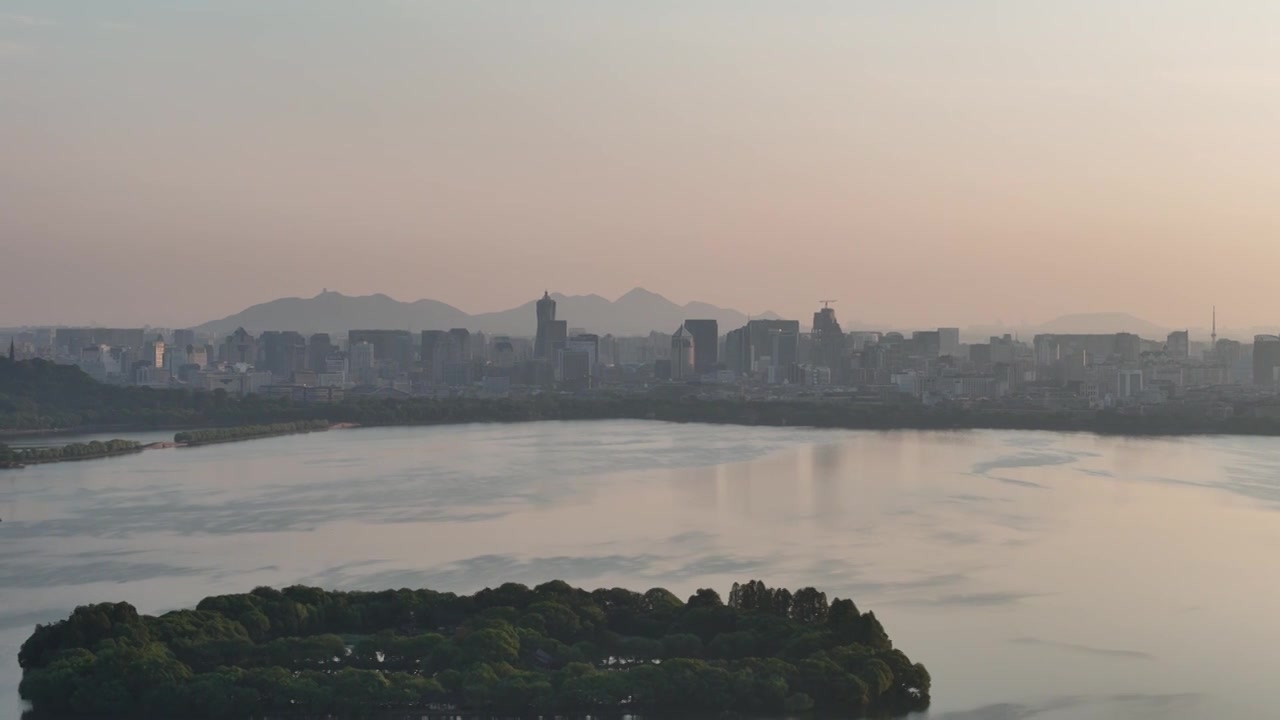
point(392, 349)
point(239, 348)
point(706, 345)
point(683, 357)
point(1266, 360)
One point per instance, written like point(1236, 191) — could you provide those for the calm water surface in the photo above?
point(1037, 575)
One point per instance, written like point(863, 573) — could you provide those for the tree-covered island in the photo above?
point(509, 651)
point(17, 457)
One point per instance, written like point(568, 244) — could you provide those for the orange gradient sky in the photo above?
point(927, 162)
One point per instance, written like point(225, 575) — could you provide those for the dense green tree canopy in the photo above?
point(510, 650)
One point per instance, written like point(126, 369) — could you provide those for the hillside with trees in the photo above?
point(511, 651)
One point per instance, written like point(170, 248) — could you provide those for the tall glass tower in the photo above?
point(546, 316)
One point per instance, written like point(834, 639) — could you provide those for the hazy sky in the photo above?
point(923, 161)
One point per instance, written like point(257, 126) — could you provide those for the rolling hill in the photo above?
point(636, 313)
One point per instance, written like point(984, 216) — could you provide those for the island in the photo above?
point(510, 651)
point(20, 457)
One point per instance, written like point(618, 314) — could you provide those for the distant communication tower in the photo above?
point(1213, 337)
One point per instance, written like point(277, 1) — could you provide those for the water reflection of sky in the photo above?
point(1037, 575)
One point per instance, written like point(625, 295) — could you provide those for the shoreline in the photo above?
point(651, 417)
point(250, 420)
point(246, 438)
point(216, 436)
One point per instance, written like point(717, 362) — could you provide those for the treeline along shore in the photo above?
point(38, 395)
point(192, 438)
point(19, 457)
point(512, 651)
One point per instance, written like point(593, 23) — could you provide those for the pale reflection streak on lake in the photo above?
point(1036, 574)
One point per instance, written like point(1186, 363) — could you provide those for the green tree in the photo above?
point(491, 645)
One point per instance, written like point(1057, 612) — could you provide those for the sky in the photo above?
point(925, 162)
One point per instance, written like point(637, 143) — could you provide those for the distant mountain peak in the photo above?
point(639, 292)
point(637, 312)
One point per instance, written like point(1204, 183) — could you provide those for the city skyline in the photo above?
point(425, 320)
point(1005, 162)
point(393, 328)
point(1066, 323)
point(1104, 370)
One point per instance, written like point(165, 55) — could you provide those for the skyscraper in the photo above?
point(435, 354)
point(927, 343)
point(240, 347)
point(503, 352)
point(949, 341)
point(183, 338)
point(706, 345)
point(153, 352)
point(546, 310)
point(683, 355)
point(588, 343)
point(829, 343)
point(778, 340)
point(392, 349)
point(461, 344)
point(281, 352)
point(1266, 360)
point(737, 351)
point(319, 347)
point(557, 332)
point(363, 362)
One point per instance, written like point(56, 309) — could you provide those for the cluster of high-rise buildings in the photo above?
point(766, 357)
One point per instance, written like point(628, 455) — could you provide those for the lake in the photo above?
point(1035, 574)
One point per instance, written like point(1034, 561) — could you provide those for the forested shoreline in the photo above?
point(510, 651)
point(41, 395)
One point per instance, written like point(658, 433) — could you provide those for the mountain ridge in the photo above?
point(636, 312)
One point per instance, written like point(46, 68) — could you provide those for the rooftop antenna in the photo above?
point(827, 303)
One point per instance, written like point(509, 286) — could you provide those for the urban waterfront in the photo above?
point(1034, 574)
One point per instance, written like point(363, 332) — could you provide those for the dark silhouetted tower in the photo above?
point(828, 341)
point(546, 309)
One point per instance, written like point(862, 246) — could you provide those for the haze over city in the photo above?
point(926, 163)
point(907, 359)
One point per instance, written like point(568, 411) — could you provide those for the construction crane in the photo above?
point(827, 303)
